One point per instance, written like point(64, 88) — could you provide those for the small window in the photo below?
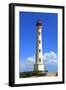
point(39, 50)
point(39, 33)
point(39, 41)
point(39, 59)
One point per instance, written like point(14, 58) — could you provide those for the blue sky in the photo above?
point(27, 40)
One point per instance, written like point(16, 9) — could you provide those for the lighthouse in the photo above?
point(39, 66)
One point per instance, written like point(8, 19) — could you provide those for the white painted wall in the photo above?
point(39, 45)
point(4, 44)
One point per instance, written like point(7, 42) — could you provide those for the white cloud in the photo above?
point(25, 65)
point(22, 65)
point(50, 57)
point(31, 60)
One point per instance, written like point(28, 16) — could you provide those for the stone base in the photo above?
point(38, 67)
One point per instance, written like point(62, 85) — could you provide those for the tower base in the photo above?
point(38, 67)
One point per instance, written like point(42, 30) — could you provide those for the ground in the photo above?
point(37, 74)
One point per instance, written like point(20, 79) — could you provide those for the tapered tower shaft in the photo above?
point(39, 59)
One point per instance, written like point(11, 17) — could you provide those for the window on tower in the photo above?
point(39, 50)
point(39, 41)
point(39, 33)
point(39, 59)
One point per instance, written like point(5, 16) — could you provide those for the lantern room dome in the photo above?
point(39, 23)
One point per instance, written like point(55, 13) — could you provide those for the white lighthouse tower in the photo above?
point(39, 60)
